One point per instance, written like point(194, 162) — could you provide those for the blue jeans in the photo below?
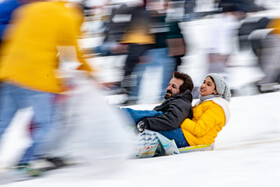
point(176, 135)
point(137, 115)
point(155, 58)
point(13, 98)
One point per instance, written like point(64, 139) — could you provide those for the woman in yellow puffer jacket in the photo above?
point(210, 114)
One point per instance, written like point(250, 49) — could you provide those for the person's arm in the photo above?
point(171, 119)
point(210, 118)
point(84, 64)
point(137, 115)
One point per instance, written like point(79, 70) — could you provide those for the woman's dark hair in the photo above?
point(187, 81)
point(213, 81)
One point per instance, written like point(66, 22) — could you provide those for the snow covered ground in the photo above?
point(246, 153)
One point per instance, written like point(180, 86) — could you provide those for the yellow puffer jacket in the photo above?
point(209, 117)
point(30, 55)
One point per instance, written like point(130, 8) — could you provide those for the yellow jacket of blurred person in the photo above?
point(275, 25)
point(30, 55)
point(138, 31)
point(138, 37)
point(209, 117)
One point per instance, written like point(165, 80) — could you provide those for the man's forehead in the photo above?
point(176, 81)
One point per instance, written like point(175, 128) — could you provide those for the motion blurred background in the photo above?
point(246, 44)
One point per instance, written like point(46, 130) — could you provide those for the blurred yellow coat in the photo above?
point(275, 25)
point(138, 37)
point(30, 56)
point(208, 119)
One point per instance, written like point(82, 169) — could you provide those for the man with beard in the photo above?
point(173, 111)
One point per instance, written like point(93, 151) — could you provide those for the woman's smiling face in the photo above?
point(208, 87)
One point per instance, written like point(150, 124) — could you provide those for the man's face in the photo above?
point(173, 87)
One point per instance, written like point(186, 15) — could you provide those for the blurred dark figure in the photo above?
point(245, 5)
point(188, 7)
point(255, 35)
point(220, 34)
point(261, 35)
point(115, 28)
point(232, 12)
point(138, 40)
point(248, 26)
point(177, 44)
point(189, 13)
point(168, 43)
point(268, 51)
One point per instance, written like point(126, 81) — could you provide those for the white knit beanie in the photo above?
point(222, 86)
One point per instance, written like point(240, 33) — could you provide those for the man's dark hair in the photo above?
point(187, 81)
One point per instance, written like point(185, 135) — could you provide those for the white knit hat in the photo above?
point(222, 86)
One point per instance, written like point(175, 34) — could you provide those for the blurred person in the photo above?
point(248, 5)
point(249, 34)
point(129, 36)
point(210, 114)
point(189, 7)
point(161, 53)
point(269, 57)
point(176, 42)
point(29, 69)
point(172, 112)
point(115, 28)
point(219, 37)
point(138, 40)
point(177, 45)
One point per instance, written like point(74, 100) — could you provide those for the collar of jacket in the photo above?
point(187, 95)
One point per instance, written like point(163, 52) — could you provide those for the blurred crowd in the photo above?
point(155, 34)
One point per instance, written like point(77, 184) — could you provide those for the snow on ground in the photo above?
point(246, 153)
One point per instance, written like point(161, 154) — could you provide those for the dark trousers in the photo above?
point(135, 51)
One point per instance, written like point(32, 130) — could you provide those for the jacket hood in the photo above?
point(187, 95)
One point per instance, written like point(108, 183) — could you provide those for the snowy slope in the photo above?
point(246, 153)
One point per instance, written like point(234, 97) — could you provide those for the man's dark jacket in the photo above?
point(175, 110)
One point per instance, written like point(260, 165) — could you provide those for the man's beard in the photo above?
point(168, 94)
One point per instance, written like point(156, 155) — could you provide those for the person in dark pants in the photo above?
point(139, 40)
point(133, 57)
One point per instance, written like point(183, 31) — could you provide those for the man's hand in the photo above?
point(141, 126)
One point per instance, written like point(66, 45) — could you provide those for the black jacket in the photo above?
point(175, 110)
